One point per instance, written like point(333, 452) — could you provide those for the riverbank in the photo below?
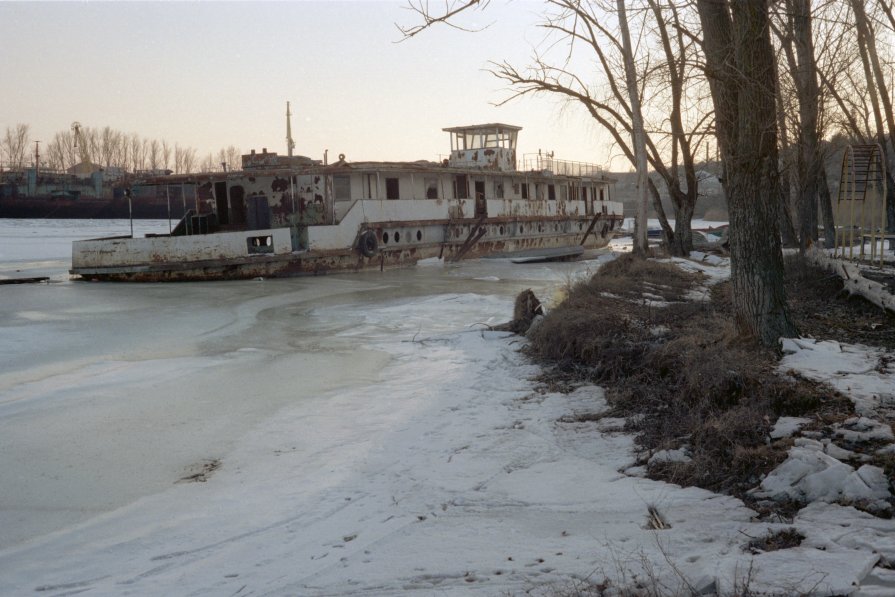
point(783, 431)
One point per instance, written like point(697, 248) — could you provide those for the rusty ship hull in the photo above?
point(282, 216)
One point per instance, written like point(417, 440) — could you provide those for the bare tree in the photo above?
point(739, 61)
point(61, 151)
point(178, 158)
point(188, 160)
point(124, 153)
point(166, 155)
point(138, 159)
point(798, 47)
point(672, 141)
point(233, 158)
point(155, 154)
point(638, 136)
point(93, 141)
point(15, 144)
point(107, 147)
point(208, 163)
point(452, 8)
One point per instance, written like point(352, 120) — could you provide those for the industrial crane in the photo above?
point(79, 142)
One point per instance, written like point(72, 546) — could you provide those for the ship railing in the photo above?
point(539, 163)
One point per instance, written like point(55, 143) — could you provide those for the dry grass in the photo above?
point(776, 540)
point(679, 373)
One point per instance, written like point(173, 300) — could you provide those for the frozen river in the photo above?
point(111, 392)
point(339, 435)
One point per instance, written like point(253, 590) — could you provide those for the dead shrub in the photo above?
point(630, 268)
point(678, 373)
point(776, 540)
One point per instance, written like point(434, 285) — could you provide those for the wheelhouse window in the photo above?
point(431, 188)
point(391, 188)
point(342, 187)
point(551, 192)
point(525, 190)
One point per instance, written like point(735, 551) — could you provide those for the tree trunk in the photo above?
point(789, 187)
point(740, 65)
point(641, 245)
point(667, 232)
point(809, 97)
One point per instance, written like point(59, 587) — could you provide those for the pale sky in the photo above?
point(212, 74)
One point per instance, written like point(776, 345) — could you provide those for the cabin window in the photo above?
point(525, 190)
point(601, 194)
point(564, 192)
point(498, 189)
point(342, 188)
point(480, 190)
point(461, 187)
point(551, 192)
point(391, 188)
point(431, 188)
point(370, 185)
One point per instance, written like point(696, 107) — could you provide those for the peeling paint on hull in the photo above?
point(348, 260)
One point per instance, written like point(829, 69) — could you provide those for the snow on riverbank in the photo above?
point(448, 474)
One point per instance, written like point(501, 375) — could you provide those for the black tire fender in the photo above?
point(368, 244)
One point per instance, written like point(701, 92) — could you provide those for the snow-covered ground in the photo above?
point(356, 435)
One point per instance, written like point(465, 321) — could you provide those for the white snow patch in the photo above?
point(863, 429)
point(810, 475)
point(788, 426)
point(850, 368)
point(664, 456)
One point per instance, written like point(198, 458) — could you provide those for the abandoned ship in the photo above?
point(291, 215)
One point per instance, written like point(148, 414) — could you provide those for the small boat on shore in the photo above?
point(291, 215)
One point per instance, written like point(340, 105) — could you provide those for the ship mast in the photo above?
point(290, 144)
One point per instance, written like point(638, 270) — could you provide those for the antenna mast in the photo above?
point(290, 144)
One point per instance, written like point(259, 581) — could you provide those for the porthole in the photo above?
point(419, 235)
point(385, 238)
point(397, 237)
point(521, 229)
